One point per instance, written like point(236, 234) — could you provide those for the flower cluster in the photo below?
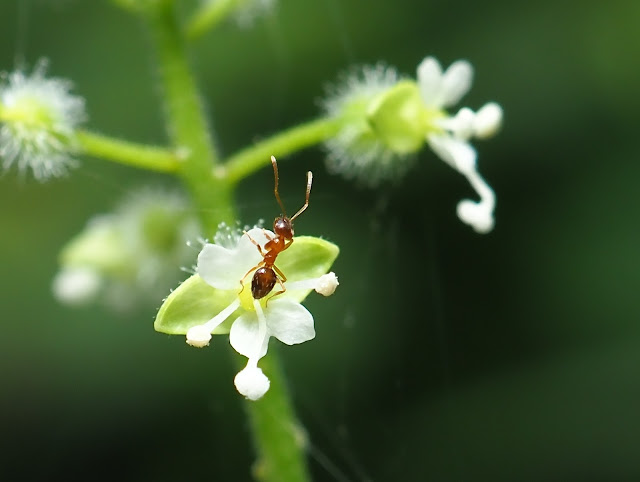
point(228, 266)
point(129, 254)
point(386, 119)
point(38, 117)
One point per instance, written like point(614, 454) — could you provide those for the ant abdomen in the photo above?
point(264, 279)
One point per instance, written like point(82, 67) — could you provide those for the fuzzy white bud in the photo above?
point(38, 118)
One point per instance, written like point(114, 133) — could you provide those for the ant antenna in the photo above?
point(275, 189)
point(306, 201)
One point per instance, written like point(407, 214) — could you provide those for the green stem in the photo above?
point(250, 159)
point(272, 418)
point(280, 440)
point(209, 15)
point(127, 153)
point(187, 123)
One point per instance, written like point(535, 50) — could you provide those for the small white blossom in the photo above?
point(384, 119)
point(130, 254)
point(449, 136)
point(282, 317)
point(38, 117)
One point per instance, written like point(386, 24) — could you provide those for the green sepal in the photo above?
point(398, 118)
point(195, 302)
point(100, 246)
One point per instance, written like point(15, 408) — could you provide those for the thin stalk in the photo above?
point(209, 15)
point(273, 421)
point(250, 159)
point(280, 440)
point(128, 153)
point(186, 122)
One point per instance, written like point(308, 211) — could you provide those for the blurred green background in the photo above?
point(445, 355)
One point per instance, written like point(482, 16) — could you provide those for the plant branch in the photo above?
point(186, 122)
point(209, 15)
point(128, 153)
point(252, 158)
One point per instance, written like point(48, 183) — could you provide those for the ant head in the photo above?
point(283, 226)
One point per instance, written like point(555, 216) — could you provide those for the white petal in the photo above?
point(223, 268)
point(488, 120)
point(461, 125)
point(455, 152)
point(430, 82)
point(261, 236)
point(218, 267)
point(252, 382)
point(245, 336)
point(456, 82)
point(289, 321)
point(76, 286)
point(477, 215)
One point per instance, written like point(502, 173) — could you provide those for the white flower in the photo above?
point(449, 136)
point(281, 316)
point(129, 255)
point(38, 117)
point(384, 119)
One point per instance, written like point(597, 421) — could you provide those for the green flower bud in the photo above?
point(398, 118)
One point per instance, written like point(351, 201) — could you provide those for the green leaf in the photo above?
point(194, 302)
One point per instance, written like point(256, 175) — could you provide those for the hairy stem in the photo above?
point(252, 158)
point(128, 153)
point(209, 15)
point(279, 438)
point(281, 454)
point(186, 122)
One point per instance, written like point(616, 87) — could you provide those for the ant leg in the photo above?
point(281, 274)
point(261, 263)
point(281, 283)
point(256, 244)
point(267, 235)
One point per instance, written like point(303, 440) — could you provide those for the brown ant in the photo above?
point(268, 274)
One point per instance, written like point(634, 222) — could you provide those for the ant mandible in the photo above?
point(268, 274)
